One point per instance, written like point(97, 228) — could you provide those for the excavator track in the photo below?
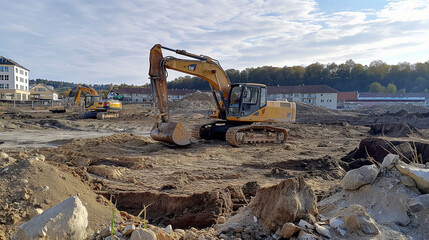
point(195, 131)
point(251, 134)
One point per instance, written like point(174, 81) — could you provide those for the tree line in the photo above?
point(348, 76)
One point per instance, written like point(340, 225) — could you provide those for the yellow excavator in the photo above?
point(239, 106)
point(94, 105)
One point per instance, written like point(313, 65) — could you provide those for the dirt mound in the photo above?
point(393, 109)
point(30, 184)
point(378, 147)
point(303, 108)
point(195, 102)
point(114, 150)
point(325, 168)
point(394, 129)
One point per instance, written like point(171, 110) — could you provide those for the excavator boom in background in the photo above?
point(238, 105)
point(94, 105)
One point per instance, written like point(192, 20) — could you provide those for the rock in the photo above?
point(169, 229)
point(389, 162)
point(407, 181)
point(288, 230)
point(276, 205)
point(4, 156)
point(356, 178)
point(414, 205)
point(305, 225)
point(322, 230)
point(221, 219)
point(67, 220)
point(41, 157)
point(129, 229)
point(10, 126)
point(143, 234)
point(306, 236)
point(35, 211)
point(181, 232)
point(335, 222)
point(238, 229)
point(105, 232)
point(357, 220)
point(419, 175)
point(424, 200)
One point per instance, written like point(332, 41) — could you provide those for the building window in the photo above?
point(25, 80)
point(6, 77)
point(7, 85)
point(16, 70)
point(25, 73)
point(322, 100)
point(16, 86)
point(21, 72)
point(16, 78)
point(321, 94)
point(1, 86)
point(40, 89)
point(1, 77)
point(21, 79)
point(1, 69)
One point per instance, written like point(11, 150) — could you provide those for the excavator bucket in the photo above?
point(170, 132)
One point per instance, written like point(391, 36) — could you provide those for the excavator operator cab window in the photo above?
point(235, 99)
point(89, 100)
point(250, 103)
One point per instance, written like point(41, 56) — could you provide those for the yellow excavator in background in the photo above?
point(94, 105)
point(238, 105)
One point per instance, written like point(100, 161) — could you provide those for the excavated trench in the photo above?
point(198, 210)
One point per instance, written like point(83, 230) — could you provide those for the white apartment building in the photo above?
point(318, 95)
point(14, 80)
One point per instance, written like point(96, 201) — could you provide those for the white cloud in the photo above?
point(109, 41)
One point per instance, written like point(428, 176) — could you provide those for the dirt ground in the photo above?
point(117, 156)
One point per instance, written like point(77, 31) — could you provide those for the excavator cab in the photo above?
point(90, 100)
point(246, 99)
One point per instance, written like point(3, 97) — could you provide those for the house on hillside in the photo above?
point(14, 83)
point(42, 92)
point(318, 95)
point(145, 94)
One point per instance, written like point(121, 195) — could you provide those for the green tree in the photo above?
point(391, 88)
point(376, 87)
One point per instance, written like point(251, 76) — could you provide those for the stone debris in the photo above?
point(324, 231)
point(418, 174)
point(386, 207)
point(289, 200)
point(357, 178)
point(288, 230)
point(67, 220)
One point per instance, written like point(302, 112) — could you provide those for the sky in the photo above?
point(103, 42)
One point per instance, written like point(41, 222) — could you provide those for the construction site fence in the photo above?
point(34, 104)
